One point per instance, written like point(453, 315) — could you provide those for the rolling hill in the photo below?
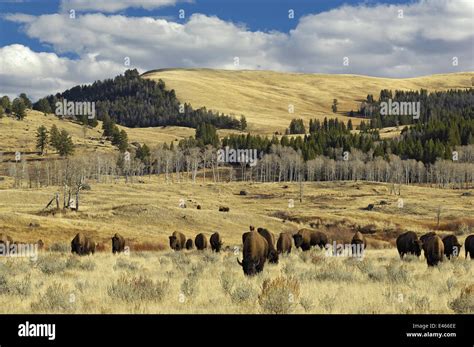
point(264, 96)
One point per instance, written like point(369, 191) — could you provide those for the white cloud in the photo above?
point(376, 41)
point(114, 5)
point(41, 74)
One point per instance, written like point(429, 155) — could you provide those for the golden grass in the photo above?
point(20, 136)
point(263, 96)
point(180, 282)
point(149, 211)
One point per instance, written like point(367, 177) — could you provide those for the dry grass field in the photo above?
point(263, 96)
point(150, 278)
point(18, 135)
point(149, 211)
point(205, 282)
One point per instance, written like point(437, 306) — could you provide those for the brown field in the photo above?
point(153, 279)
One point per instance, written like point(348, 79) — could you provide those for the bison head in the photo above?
point(298, 240)
point(273, 256)
point(174, 244)
point(249, 266)
point(417, 247)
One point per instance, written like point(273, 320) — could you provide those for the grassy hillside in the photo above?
point(18, 135)
point(263, 96)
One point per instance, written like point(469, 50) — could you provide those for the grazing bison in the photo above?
point(433, 248)
point(469, 246)
point(216, 242)
point(82, 245)
point(244, 236)
point(408, 243)
point(426, 236)
point(223, 209)
point(272, 252)
point(359, 242)
point(200, 241)
point(40, 244)
point(318, 238)
point(177, 241)
point(303, 239)
point(452, 247)
point(118, 243)
point(255, 253)
point(189, 244)
point(284, 243)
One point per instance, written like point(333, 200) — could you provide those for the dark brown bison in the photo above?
point(223, 209)
point(303, 239)
point(284, 243)
point(433, 248)
point(408, 243)
point(452, 247)
point(255, 253)
point(200, 241)
point(244, 236)
point(272, 252)
point(82, 245)
point(358, 243)
point(469, 246)
point(216, 242)
point(319, 238)
point(426, 236)
point(189, 244)
point(40, 244)
point(118, 243)
point(177, 241)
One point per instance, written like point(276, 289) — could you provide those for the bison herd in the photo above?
point(259, 246)
point(434, 247)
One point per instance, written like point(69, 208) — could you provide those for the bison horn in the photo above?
point(238, 261)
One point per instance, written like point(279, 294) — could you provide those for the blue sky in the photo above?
point(38, 39)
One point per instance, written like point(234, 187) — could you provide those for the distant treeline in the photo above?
point(133, 101)
point(435, 107)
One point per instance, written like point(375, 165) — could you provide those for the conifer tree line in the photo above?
point(133, 101)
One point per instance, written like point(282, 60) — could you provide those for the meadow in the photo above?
point(205, 282)
point(151, 278)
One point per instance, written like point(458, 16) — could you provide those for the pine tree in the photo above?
point(243, 123)
point(19, 108)
point(26, 100)
point(66, 146)
point(41, 138)
point(54, 138)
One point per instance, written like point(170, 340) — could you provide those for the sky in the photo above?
point(47, 46)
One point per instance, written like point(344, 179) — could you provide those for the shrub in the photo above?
point(189, 286)
point(279, 296)
point(463, 230)
point(307, 304)
point(243, 294)
point(125, 264)
point(51, 265)
point(464, 303)
point(227, 282)
point(60, 247)
point(57, 298)
point(397, 273)
point(138, 289)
